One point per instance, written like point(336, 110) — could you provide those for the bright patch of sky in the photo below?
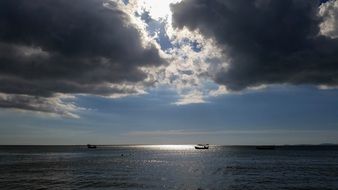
point(193, 59)
point(158, 9)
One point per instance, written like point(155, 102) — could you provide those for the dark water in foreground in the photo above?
point(168, 167)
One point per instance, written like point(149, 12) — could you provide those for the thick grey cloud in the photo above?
point(266, 41)
point(68, 46)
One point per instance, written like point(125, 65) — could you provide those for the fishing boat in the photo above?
point(91, 146)
point(202, 146)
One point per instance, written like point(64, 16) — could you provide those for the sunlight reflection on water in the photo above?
point(167, 147)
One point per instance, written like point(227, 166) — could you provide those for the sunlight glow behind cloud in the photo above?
point(159, 9)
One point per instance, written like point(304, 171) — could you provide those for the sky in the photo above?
point(225, 72)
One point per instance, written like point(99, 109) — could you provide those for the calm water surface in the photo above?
point(168, 167)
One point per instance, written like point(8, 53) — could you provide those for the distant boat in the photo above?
point(202, 146)
point(91, 146)
point(265, 147)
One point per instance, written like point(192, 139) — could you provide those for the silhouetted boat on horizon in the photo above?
point(202, 146)
point(91, 146)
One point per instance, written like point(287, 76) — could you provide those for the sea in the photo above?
point(169, 167)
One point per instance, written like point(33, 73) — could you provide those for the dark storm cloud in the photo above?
point(266, 41)
point(68, 46)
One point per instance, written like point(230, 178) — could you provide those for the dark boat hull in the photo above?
point(201, 147)
point(91, 146)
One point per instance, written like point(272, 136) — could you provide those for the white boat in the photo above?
point(202, 146)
